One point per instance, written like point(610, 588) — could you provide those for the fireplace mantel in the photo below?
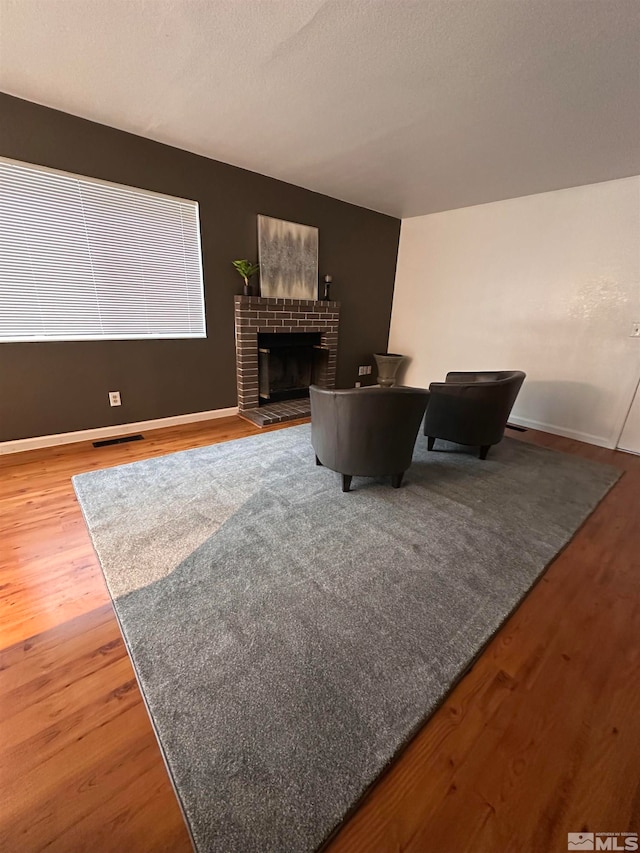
point(261, 314)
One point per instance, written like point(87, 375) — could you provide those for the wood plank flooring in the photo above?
point(541, 738)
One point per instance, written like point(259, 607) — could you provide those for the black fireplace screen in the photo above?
point(288, 363)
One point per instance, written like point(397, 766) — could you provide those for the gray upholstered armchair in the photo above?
point(368, 432)
point(472, 408)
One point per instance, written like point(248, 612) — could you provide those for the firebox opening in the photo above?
point(288, 363)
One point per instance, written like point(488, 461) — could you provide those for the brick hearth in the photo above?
point(259, 314)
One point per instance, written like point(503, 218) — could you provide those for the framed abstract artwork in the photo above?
point(288, 255)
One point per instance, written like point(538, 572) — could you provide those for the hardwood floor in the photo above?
point(541, 738)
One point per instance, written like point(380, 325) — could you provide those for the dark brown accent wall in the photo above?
point(58, 387)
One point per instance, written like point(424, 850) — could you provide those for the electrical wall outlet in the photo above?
point(635, 330)
point(114, 398)
point(358, 384)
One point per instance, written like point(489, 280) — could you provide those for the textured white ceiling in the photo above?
point(403, 107)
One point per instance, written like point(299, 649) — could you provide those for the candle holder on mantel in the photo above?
point(326, 294)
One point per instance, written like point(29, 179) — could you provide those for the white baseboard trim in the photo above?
point(566, 433)
point(22, 444)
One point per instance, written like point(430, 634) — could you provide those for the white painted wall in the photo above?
point(549, 284)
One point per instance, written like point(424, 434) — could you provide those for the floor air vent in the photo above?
point(122, 440)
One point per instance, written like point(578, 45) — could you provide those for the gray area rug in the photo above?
point(288, 638)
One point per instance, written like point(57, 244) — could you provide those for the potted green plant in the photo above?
point(246, 270)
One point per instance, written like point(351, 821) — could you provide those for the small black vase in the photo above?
point(247, 290)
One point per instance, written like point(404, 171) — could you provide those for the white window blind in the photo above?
point(82, 259)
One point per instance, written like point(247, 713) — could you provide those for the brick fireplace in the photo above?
point(259, 315)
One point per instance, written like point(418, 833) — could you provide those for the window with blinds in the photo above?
point(82, 259)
